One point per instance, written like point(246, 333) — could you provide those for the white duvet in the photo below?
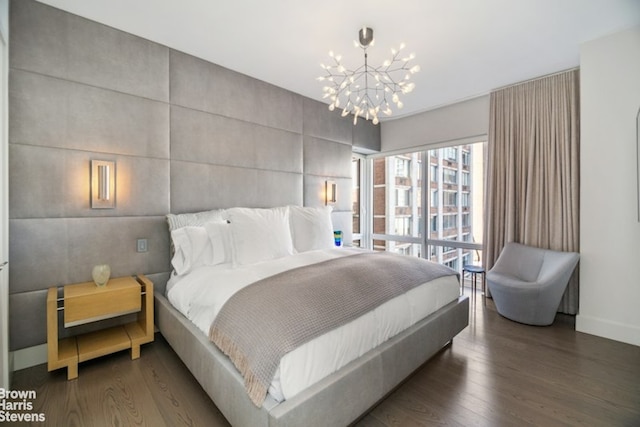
point(201, 294)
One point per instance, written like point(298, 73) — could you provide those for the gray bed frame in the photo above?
point(338, 399)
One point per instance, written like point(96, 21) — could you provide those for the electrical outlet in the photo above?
point(142, 245)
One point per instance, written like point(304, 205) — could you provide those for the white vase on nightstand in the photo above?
point(101, 274)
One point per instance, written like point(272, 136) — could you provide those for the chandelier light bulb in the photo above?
point(367, 90)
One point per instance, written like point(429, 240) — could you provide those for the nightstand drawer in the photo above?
point(85, 303)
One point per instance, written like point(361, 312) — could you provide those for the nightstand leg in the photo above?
point(135, 352)
point(72, 371)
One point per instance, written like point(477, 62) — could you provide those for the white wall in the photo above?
point(609, 228)
point(466, 121)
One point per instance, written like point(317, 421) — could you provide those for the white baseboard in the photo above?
point(28, 357)
point(608, 329)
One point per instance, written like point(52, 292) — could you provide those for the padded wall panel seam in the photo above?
point(49, 251)
point(321, 123)
point(198, 84)
point(54, 113)
point(55, 183)
point(326, 158)
point(56, 43)
point(200, 186)
point(203, 137)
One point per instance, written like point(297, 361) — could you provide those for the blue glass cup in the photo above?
point(337, 237)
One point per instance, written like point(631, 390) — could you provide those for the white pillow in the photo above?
point(192, 249)
point(259, 234)
point(198, 246)
point(311, 228)
point(198, 219)
point(220, 240)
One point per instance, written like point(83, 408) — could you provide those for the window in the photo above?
point(403, 197)
point(451, 153)
point(403, 226)
point(397, 203)
point(452, 201)
point(464, 200)
point(450, 176)
point(465, 220)
point(458, 223)
point(402, 167)
point(356, 176)
point(449, 222)
point(450, 198)
point(466, 157)
point(466, 178)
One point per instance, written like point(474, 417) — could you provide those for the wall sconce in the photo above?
point(103, 184)
point(329, 192)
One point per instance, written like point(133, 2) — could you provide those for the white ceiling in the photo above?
point(465, 47)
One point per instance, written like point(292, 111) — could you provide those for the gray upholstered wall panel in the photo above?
point(366, 137)
point(27, 319)
point(208, 138)
point(204, 86)
point(46, 252)
point(54, 183)
point(198, 186)
point(326, 158)
point(322, 123)
point(57, 113)
point(187, 135)
point(52, 42)
point(314, 192)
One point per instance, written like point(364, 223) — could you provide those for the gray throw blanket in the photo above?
point(267, 319)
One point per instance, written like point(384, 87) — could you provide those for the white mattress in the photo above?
point(200, 295)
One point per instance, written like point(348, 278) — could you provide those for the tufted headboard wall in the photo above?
point(186, 135)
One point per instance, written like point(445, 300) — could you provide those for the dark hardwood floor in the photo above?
point(496, 373)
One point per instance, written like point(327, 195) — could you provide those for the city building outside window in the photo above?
point(449, 207)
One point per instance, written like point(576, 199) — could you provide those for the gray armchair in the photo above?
point(527, 283)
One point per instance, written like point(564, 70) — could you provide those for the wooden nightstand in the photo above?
point(84, 303)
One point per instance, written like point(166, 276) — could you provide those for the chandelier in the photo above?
point(367, 90)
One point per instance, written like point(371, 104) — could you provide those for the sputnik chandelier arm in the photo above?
point(366, 91)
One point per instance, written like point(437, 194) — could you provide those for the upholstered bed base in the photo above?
point(338, 399)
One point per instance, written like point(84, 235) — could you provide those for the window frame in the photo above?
point(367, 236)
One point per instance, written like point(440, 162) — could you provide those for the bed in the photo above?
point(218, 253)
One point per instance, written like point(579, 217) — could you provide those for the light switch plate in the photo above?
point(142, 245)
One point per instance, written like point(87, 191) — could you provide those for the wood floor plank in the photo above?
point(495, 373)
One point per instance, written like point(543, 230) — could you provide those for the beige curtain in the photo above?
point(532, 194)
